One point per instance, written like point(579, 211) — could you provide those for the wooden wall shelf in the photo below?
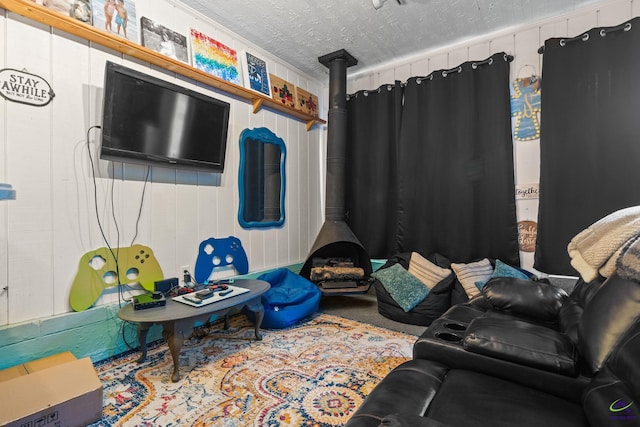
point(77, 28)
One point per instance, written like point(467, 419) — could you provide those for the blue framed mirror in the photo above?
point(261, 179)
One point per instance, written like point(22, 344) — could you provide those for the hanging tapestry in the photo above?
point(525, 108)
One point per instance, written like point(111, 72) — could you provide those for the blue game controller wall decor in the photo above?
point(214, 253)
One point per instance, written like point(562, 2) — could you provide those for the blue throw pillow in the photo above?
point(405, 288)
point(504, 270)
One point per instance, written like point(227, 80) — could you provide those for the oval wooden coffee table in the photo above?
point(178, 319)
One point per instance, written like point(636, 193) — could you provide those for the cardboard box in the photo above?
point(56, 391)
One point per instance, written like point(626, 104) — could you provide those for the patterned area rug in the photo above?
point(314, 374)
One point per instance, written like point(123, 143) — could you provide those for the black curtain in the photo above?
point(456, 175)
point(373, 127)
point(590, 133)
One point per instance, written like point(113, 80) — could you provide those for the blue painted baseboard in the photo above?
point(97, 333)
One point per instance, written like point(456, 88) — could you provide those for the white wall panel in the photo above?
point(45, 155)
point(4, 315)
point(29, 146)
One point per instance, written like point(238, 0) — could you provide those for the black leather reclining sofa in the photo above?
point(524, 354)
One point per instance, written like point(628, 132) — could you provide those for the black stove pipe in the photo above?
point(336, 135)
point(335, 237)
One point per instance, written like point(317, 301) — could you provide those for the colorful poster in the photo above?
point(214, 58)
point(116, 17)
point(525, 108)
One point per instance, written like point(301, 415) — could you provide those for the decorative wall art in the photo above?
point(527, 234)
point(256, 75)
point(163, 40)
point(214, 58)
point(116, 17)
point(525, 108)
point(78, 9)
point(306, 102)
point(25, 88)
point(527, 191)
point(283, 91)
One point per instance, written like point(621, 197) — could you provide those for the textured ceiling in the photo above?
point(299, 31)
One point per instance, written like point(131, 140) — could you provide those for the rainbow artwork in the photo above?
point(214, 58)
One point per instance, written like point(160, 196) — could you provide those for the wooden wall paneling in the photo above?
point(68, 130)
point(458, 56)
point(29, 145)
point(480, 51)
point(307, 143)
point(383, 77)
point(294, 174)
point(581, 23)
point(420, 68)
point(4, 301)
point(438, 62)
point(279, 237)
point(402, 73)
point(504, 43)
point(635, 7)
point(614, 13)
point(316, 165)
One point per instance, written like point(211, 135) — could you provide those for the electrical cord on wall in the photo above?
point(95, 203)
point(115, 254)
point(144, 188)
point(104, 237)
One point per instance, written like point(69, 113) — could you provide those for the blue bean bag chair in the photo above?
point(291, 298)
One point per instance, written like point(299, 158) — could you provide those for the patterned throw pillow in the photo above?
point(428, 273)
point(405, 288)
point(469, 274)
point(503, 270)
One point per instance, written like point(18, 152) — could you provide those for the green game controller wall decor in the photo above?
point(97, 271)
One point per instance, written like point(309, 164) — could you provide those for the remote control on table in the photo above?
point(205, 293)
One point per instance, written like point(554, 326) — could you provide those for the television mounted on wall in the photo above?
point(151, 121)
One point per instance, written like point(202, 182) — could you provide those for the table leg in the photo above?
point(143, 330)
point(258, 309)
point(174, 333)
point(174, 340)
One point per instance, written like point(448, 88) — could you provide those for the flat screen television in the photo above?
point(151, 121)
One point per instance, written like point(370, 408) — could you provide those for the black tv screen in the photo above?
point(151, 121)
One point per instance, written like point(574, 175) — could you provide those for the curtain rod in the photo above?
point(584, 37)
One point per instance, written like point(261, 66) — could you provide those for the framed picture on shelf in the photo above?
point(283, 91)
point(215, 58)
point(256, 75)
point(116, 17)
point(163, 40)
point(306, 102)
point(77, 9)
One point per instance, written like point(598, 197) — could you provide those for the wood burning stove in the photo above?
point(337, 262)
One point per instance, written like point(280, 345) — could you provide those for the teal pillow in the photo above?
point(405, 288)
point(503, 270)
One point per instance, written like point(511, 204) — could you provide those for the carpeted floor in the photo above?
point(316, 373)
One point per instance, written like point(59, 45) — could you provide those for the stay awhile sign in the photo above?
point(26, 88)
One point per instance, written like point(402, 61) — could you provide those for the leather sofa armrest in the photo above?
point(537, 300)
point(522, 342)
